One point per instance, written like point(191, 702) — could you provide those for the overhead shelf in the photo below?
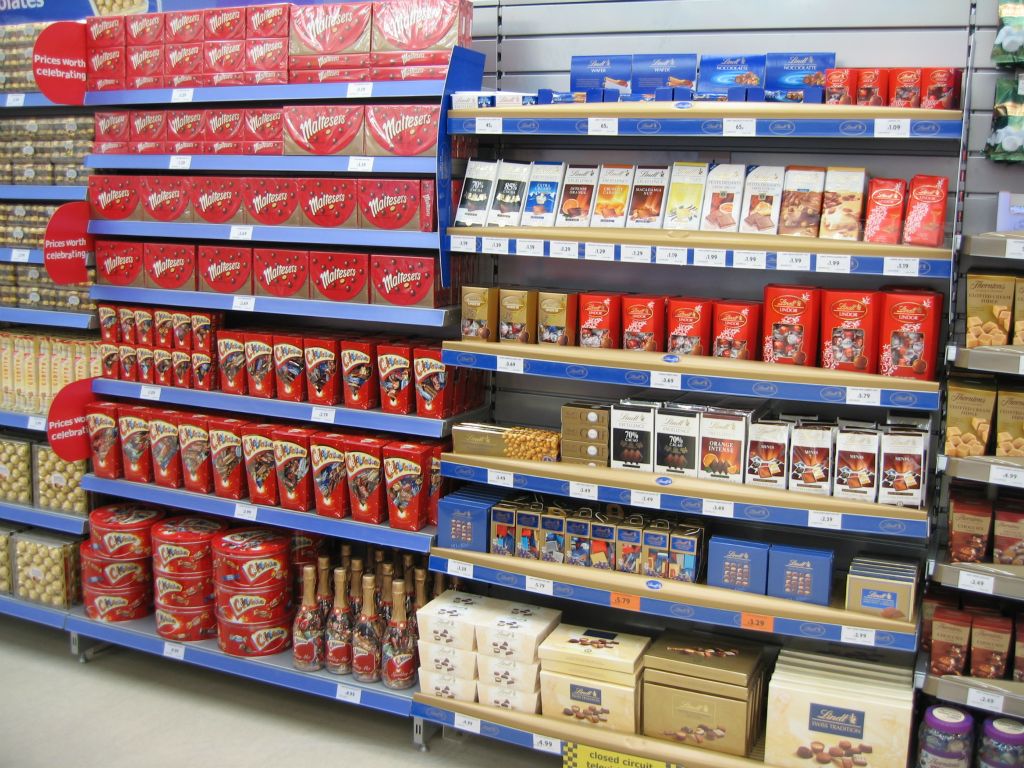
point(41, 192)
point(244, 510)
point(995, 245)
point(987, 578)
point(706, 249)
point(671, 493)
point(40, 614)
point(265, 163)
point(80, 320)
point(678, 600)
point(1002, 697)
point(1002, 359)
point(43, 518)
point(713, 375)
point(22, 421)
point(1006, 471)
point(21, 256)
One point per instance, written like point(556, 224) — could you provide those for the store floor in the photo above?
point(127, 709)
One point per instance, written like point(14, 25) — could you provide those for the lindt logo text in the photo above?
point(837, 721)
point(331, 276)
point(318, 202)
point(166, 265)
point(311, 127)
point(278, 271)
point(392, 282)
point(179, 55)
point(398, 125)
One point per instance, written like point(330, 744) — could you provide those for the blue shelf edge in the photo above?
point(40, 614)
point(35, 422)
point(41, 192)
point(80, 320)
point(825, 632)
point(30, 99)
point(438, 714)
point(244, 510)
point(263, 163)
point(42, 518)
point(21, 256)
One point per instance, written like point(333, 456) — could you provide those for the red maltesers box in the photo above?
point(281, 272)
point(279, 77)
point(147, 148)
point(225, 125)
point(394, 204)
point(110, 360)
point(102, 83)
point(126, 325)
point(643, 323)
point(291, 455)
point(181, 368)
point(224, 56)
point(194, 439)
point(434, 390)
point(224, 24)
point(735, 327)
point(107, 63)
point(330, 63)
point(104, 440)
point(264, 148)
point(791, 314)
point(263, 124)
point(339, 276)
point(405, 281)
point(329, 76)
point(141, 82)
point(359, 370)
point(144, 363)
point(183, 59)
point(266, 55)
point(216, 79)
point(183, 81)
point(925, 223)
point(170, 265)
point(114, 197)
point(204, 371)
point(406, 130)
point(205, 325)
point(883, 219)
point(940, 87)
point(289, 367)
point(330, 28)
point(394, 372)
point(105, 31)
point(129, 368)
point(144, 29)
point(232, 372)
point(183, 26)
point(323, 129)
point(849, 330)
point(163, 367)
point(217, 200)
point(144, 325)
point(163, 329)
point(259, 364)
point(689, 326)
point(110, 148)
point(144, 61)
point(110, 330)
point(909, 330)
point(407, 484)
point(260, 466)
point(328, 202)
point(322, 376)
point(271, 200)
point(163, 445)
point(148, 125)
point(410, 58)
point(413, 25)
point(872, 87)
point(270, 20)
point(226, 456)
point(433, 72)
point(330, 477)
point(186, 125)
point(600, 317)
point(181, 336)
point(225, 269)
point(112, 126)
point(904, 87)
point(166, 198)
point(226, 147)
point(133, 428)
point(119, 263)
point(364, 457)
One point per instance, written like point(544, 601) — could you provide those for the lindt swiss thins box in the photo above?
point(856, 474)
point(811, 451)
point(904, 462)
point(768, 454)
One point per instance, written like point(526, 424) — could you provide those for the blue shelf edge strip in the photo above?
point(22, 421)
point(33, 99)
point(262, 163)
point(813, 393)
point(54, 521)
point(21, 256)
point(41, 192)
point(382, 535)
point(441, 716)
point(50, 617)
point(897, 641)
point(79, 320)
point(693, 505)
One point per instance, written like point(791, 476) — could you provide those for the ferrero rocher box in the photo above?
point(969, 417)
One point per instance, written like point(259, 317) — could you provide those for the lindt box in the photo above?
point(407, 281)
point(260, 465)
point(323, 129)
point(322, 375)
point(925, 223)
point(940, 87)
point(330, 477)
point(231, 362)
point(734, 329)
point(791, 315)
point(600, 317)
point(883, 220)
point(394, 371)
point(841, 85)
point(632, 435)
point(515, 632)
point(291, 456)
point(905, 87)
point(643, 323)
point(801, 574)
point(328, 202)
point(768, 454)
point(119, 263)
point(903, 467)
point(272, 201)
point(170, 266)
point(811, 461)
point(259, 364)
point(849, 330)
point(856, 475)
point(281, 272)
point(289, 367)
point(909, 327)
point(556, 316)
point(405, 130)
point(166, 199)
point(676, 438)
point(359, 372)
point(587, 72)
point(739, 565)
point(450, 619)
point(339, 276)
point(689, 326)
point(873, 87)
point(217, 200)
point(723, 444)
point(224, 269)
point(226, 457)
point(364, 458)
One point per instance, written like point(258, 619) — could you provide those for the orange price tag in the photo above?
point(757, 621)
point(624, 601)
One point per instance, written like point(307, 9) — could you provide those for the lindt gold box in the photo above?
point(479, 313)
point(447, 660)
point(590, 414)
point(556, 318)
point(446, 686)
point(517, 316)
point(591, 451)
point(451, 619)
point(515, 632)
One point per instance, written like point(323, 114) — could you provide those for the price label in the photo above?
point(1011, 476)
point(666, 380)
point(359, 90)
point(243, 303)
point(892, 128)
point(993, 702)
point(857, 635)
point(322, 415)
point(1020, 367)
point(36, 423)
point(360, 164)
point(749, 259)
point(459, 568)
point(494, 245)
point(463, 723)
point(599, 252)
point(499, 477)
point(1015, 248)
point(863, 396)
point(488, 125)
point(182, 95)
point(603, 126)
point(830, 520)
point(708, 257)
point(624, 601)
point(530, 247)
point(464, 244)
point(1020, 83)
point(15, 100)
point(507, 364)
point(757, 621)
point(542, 586)
point(787, 261)
point(149, 393)
point(174, 651)
point(547, 744)
point(20, 255)
point(245, 512)
point(649, 499)
point(179, 162)
point(716, 508)
point(739, 126)
point(582, 490)
point(240, 232)
point(897, 267)
point(669, 255)
point(348, 693)
point(950, 353)
point(976, 582)
point(559, 249)
point(638, 254)
point(832, 262)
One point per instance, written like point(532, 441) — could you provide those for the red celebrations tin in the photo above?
point(359, 370)
point(122, 531)
point(181, 590)
point(117, 604)
point(251, 558)
point(263, 639)
point(253, 606)
point(194, 439)
point(186, 624)
point(363, 461)
point(322, 369)
point(163, 446)
point(434, 396)
point(849, 330)
point(133, 427)
point(226, 456)
point(183, 544)
point(330, 478)
point(791, 314)
point(260, 467)
point(909, 334)
point(104, 439)
point(291, 455)
point(259, 364)
point(689, 326)
point(109, 573)
point(289, 368)
point(232, 372)
point(734, 329)
point(394, 371)
point(407, 479)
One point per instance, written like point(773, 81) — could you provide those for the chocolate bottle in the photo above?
point(324, 598)
point(355, 598)
point(399, 567)
point(385, 606)
point(308, 628)
point(338, 631)
point(366, 638)
point(346, 556)
point(398, 648)
point(438, 584)
point(419, 600)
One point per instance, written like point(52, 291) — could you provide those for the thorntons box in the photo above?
point(724, 192)
point(577, 201)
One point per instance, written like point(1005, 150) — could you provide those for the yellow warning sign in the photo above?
point(582, 756)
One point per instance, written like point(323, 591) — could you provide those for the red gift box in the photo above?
point(339, 276)
point(232, 372)
point(277, 77)
point(128, 369)
point(323, 129)
point(225, 269)
point(185, 148)
point(268, 20)
point(791, 314)
point(329, 76)
point(102, 83)
point(600, 316)
point(438, 72)
point(434, 393)
point(226, 147)
point(147, 148)
point(271, 200)
point(330, 478)
point(410, 58)
point(281, 272)
point(905, 87)
point(263, 124)
point(419, 25)
point(226, 456)
point(186, 125)
point(364, 457)
point(105, 31)
point(163, 329)
point(194, 439)
point(884, 216)
point(438, 485)
point(925, 223)
point(291, 455)
point(133, 429)
point(144, 325)
point(107, 63)
point(144, 363)
point(322, 375)
point(119, 263)
point(328, 202)
point(407, 479)
point(104, 439)
point(144, 29)
point(359, 371)
point(872, 87)
point(289, 368)
point(393, 204)
point(735, 327)
point(909, 330)
point(394, 371)
point(841, 85)
point(940, 87)
point(183, 26)
point(163, 445)
point(181, 368)
point(259, 364)
point(689, 326)
point(849, 330)
point(224, 56)
point(166, 198)
point(406, 130)
point(303, 64)
point(643, 323)
point(126, 325)
point(144, 61)
point(183, 59)
point(204, 330)
point(181, 335)
point(217, 200)
point(170, 266)
point(216, 79)
point(225, 125)
point(266, 55)
point(148, 125)
point(112, 126)
point(113, 197)
point(110, 330)
point(141, 82)
point(260, 467)
point(405, 281)
point(163, 367)
point(264, 148)
point(224, 24)
point(110, 148)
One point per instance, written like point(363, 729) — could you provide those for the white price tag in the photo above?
point(599, 251)
point(245, 512)
point(36, 423)
point(494, 245)
point(507, 364)
point(649, 499)
point(708, 257)
point(499, 477)
point(739, 126)
point(15, 100)
point(174, 651)
point(488, 125)
point(993, 702)
point(857, 635)
point(359, 90)
point(666, 380)
point(324, 415)
point(243, 303)
point(716, 508)
point(976, 582)
point(1011, 476)
point(1020, 367)
point(464, 723)
point(240, 232)
point(530, 247)
point(547, 744)
point(950, 353)
point(1020, 83)
point(182, 95)
point(787, 261)
point(464, 244)
point(179, 162)
point(892, 128)
point(360, 164)
point(603, 126)
point(669, 255)
point(897, 267)
point(831, 520)
point(833, 262)
point(1015, 248)
point(542, 586)
point(560, 249)
point(863, 396)
point(149, 393)
point(20, 255)
point(640, 254)
point(749, 259)
point(348, 693)
point(582, 490)
point(459, 568)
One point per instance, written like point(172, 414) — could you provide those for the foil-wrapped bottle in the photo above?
point(308, 627)
point(338, 631)
point(398, 648)
point(366, 638)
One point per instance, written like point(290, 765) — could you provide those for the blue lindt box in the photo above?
point(463, 519)
point(720, 73)
point(736, 564)
point(796, 573)
point(600, 72)
point(503, 531)
point(672, 70)
point(788, 75)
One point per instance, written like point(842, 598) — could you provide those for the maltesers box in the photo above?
point(291, 455)
point(359, 373)
point(263, 124)
point(185, 125)
point(272, 201)
point(166, 198)
point(940, 87)
point(225, 147)
point(260, 465)
point(406, 130)
point(214, 79)
point(107, 63)
point(266, 55)
point(183, 26)
point(689, 326)
point(270, 20)
point(224, 24)
point(872, 87)
point(909, 328)
point(225, 125)
point(395, 204)
point(734, 329)
point(330, 479)
point(105, 31)
point(217, 200)
point(434, 395)
point(223, 56)
point(925, 222)
point(324, 129)
point(407, 479)
point(259, 364)
point(643, 323)
point(328, 75)
point(231, 362)
point(144, 61)
point(133, 429)
point(163, 444)
point(114, 197)
point(185, 148)
point(600, 317)
point(849, 330)
point(101, 83)
point(112, 126)
point(225, 269)
point(883, 220)
point(905, 87)
point(791, 316)
point(170, 266)
point(119, 263)
point(183, 59)
point(264, 147)
point(740, 565)
point(402, 25)
point(408, 281)
point(363, 461)
point(856, 475)
point(281, 272)
point(339, 276)
point(277, 77)
point(147, 147)
point(322, 374)
point(328, 202)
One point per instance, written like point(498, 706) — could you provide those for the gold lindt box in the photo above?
point(517, 316)
point(556, 318)
point(479, 313)
point(506, 697)
point(590, 414)
point(520, 675)
point(516, 631)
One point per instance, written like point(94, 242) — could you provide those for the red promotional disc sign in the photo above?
point(58, 62)
point(68, 244)
point(65, 424)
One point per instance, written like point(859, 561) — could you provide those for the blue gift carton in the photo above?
point(789, 76)
point(503, 531)
point(720, 73)
point(796, 573)
point(663, 70)
point(736, 564)
point(600, 72)
point(463, 520)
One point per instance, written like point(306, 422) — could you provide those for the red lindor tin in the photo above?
point(186, 624)
point(599, 317)
point(407, 469)
point(291, 455)
point(253, 606)
point(194, 439)
point(260, 466)
point(164, 448)
point(689, 326)
point(133, 427)
point(364, 457)
point(394, 371)
point(259, 364)
point(322, 362)
point(105, 572)
point(226, 456)
point(251, 557)
point(122, 531)
point(909, 329)
point(181, 590)
point(359, 370)
point(263, 639)
point(289, 368)
point(791, 315)
point(330, 478)
point(117, 604)
point(643, 323)
point(735, 328)
point(849, 330)
point(182, 545)
point(104, 439)
point(232, 372)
